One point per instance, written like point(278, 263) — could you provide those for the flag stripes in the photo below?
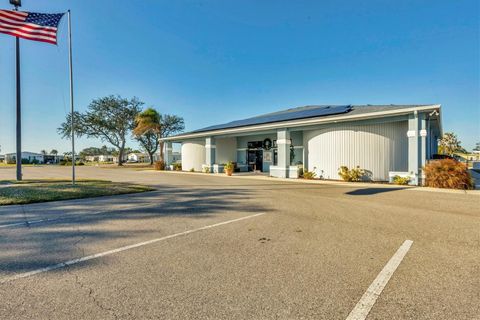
point(29, 25)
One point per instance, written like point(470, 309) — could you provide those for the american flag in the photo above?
point(30, 25)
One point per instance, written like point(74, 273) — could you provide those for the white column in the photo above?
point(423, 146)
point(283, 153)
point(414, 148)
point(168, 153)
point(210, 149)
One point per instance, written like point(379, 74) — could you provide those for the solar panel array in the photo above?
point(302, 113)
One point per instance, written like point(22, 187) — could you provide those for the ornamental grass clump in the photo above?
point(447, 173)
point(402, 181)
point(351, 175)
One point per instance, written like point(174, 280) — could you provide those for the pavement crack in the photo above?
point(24, 214)
point(91, 295)
point(83, 286)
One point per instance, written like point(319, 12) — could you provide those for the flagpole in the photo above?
point(72, 123)
point(18, 107)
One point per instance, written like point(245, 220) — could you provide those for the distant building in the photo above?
point(138, 157)
point(30, 157)
point(106, 158)
point(175, 157)
point(52, 158)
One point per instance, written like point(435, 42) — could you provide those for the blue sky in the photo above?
point(216, 61)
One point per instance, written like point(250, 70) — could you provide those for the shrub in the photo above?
point(159, 165)
point(354, 174)
point(25, 161)
point(401, 180)
point(177, 166)
point(447, 173)
point(309, 175)
point(229, 165)
point(192, 170)
point(206, 169)
point(79, 163)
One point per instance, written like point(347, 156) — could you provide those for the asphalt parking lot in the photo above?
point(207, 247)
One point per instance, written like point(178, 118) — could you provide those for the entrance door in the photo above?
point(255, 159)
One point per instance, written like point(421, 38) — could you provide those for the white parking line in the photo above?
point(72, 216)
point(106, 253)
point(369, 298)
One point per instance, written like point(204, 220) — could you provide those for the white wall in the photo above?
point(193, 155)
point(379, 148)
point(226, 150)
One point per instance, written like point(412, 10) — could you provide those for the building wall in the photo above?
point(193, 155)
point(226, 150)
point(377, 148)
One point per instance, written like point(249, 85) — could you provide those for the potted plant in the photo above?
point(228, 168)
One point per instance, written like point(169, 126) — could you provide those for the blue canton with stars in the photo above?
point(44, 19)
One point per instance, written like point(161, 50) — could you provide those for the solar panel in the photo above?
point(293, 114)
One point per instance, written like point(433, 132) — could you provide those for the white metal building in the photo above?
point(384, 140)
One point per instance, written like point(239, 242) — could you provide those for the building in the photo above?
point(138, 157)
point(52, 158)
point(384, 140)
point(29, 157)
point(106, 158)
point(175, 157)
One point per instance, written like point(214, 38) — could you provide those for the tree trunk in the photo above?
point(150, 154)
point(121, 150)
point(162, 157)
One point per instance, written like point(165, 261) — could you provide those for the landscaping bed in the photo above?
point(31, 191)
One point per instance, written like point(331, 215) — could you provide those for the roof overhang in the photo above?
point(306, 122)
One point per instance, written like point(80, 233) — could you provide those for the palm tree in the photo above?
point(147, 131)
point(44, 152)
point(54, 152)
point(152, 126)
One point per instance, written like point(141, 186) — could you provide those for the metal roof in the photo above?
point(285, 115)
point(307, 112)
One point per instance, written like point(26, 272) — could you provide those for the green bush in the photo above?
point(79, 163)
point(25, 161)
point(447, 173)
point(177, 166)
point(401, 180)
point(354, 174)
point(229, 166)
point(206, 169)
point(192, 170)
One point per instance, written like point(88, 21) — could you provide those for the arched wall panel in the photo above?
point(377, 148)
point(193, 155)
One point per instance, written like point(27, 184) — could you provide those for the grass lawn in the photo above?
point(30, 191)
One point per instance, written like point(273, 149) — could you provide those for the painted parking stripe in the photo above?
point(117, 250)
point(70, 217)
point(369, 298)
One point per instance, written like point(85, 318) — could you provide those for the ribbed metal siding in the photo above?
point(193, 155)
point(377, 148)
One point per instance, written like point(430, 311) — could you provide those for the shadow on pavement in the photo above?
point(371, 191)
point(24, 249)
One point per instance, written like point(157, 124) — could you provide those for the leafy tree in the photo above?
point(54, 152)
point(477, 147)
point(449, 144)
point(109, 119)
point(152, 126)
